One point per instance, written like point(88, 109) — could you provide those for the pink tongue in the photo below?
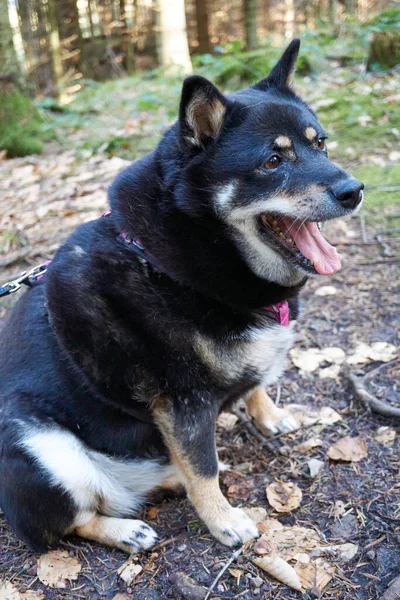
point(314, 246)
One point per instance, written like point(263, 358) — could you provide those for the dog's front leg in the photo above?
point(189, 434)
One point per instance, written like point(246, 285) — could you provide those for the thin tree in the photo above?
point(250, 23)
point(55, 46)
point(173, 47)
point(203, 37)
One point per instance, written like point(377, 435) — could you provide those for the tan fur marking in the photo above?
point(282, 141)
point(129, 535)
point(260, 406)
point(205, 117)
point(229, 525)
point(311, 133)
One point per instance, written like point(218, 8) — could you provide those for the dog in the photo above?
point(156, 317)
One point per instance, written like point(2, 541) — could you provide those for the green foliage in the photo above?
point(234, 69)
point(21, 126)
point(387, 21)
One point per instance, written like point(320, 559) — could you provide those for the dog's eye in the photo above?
point(273, 162)
point(321, 143)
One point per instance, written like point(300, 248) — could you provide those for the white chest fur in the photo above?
point(263, 351)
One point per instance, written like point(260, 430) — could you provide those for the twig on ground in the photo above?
point(242, 416)
point(233, 557)
point(368, 399)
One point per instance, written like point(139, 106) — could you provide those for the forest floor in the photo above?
point(45, 197)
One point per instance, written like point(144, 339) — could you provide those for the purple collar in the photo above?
point(279, 311)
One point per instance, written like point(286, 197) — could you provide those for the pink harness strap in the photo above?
point(280, 312)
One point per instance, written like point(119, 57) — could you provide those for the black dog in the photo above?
point(114, 368)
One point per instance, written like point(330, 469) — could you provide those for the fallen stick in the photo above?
point(368, 399)
point(233, 557)
point(243, 418)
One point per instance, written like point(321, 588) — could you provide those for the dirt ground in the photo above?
point(43, 199)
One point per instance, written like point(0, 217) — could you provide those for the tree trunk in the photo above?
point(173, 47)
point(332, 9)
point(289, 19)
point(20, 122)
point(250, 23)
point(55, 46)
point(203, 36)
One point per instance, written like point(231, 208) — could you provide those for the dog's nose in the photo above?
point(349, 193)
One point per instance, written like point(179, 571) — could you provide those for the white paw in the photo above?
point(282, 421)
point(135, 536)
point(234, 527)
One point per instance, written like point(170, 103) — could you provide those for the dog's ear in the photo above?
point(281, 75)
point(202, 112)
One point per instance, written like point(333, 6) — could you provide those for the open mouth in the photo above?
point(302, 243)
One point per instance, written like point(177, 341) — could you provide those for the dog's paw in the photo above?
point(234, 527)
point(136, 536)
point(280, 421)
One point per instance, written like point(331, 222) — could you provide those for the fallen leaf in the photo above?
point(312, 442)
point(280, 569)
point(348, 449)
point(57, 568)
point(331, 372)
point(237, 574)
point(8, 591)
point(345, 529)
point(269, 526)
point(122, 597)
point(129, 571)
point(263, 546)
point(342, 552)
point(326, 290)
point(306, 416)
point(385, 435)
point(153, 512)
point(227, 421)
point(256, 513)
point(310, 359)
point(31, 595)
point(186, 587)
point(315, 466)
point(378, 351)
point(315, 575)
point(284, 496)
point(241, 490)
point(339, 509)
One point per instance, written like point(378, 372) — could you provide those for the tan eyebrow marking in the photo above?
point(282, 141)
point(311, 133)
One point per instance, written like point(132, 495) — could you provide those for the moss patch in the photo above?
point(21, 125)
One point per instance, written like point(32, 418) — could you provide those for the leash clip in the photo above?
point(26, 278)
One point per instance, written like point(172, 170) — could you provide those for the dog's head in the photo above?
point(258, 160)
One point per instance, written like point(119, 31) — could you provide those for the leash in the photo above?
point(279, 311)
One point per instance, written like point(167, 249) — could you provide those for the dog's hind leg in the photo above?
point(130, 535)
point(268, 418)
point(56, 485)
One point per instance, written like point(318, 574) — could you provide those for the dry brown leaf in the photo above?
point(312, 442)
point(378, 351)
point(227, 420)
point(256, 513)
point(269, 526)
point(153, 512)
point(263, 546)
point(280, 569)
point(306, 416)
point(342, 552)
point(284, 496)
point(31, 595)
point(8, 591)
point(129, 571)
point(57, 568)
point(348, 449)
point(385, 435)
point(315, 575)
point(120, 596)
point(309, 360)
point(236, 573)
